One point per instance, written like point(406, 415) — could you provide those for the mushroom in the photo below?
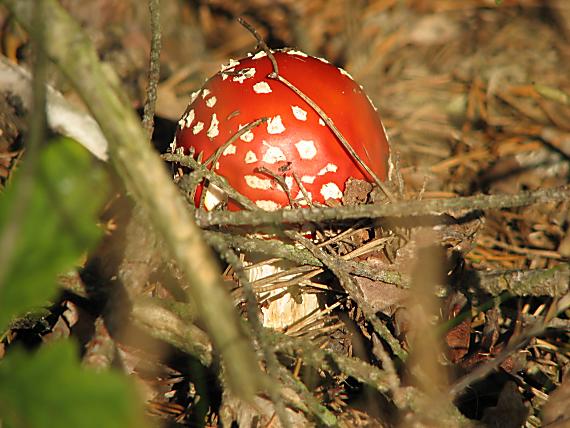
point(291, 157)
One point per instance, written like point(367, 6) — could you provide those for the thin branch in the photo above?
point(269, 247)
point(261, 43)
point(172, 322)
point(161, 323)
point(314, 407)
point(338, 134)
point(483, 370)
point(145, 178)
point(37, 119)
point(552, 282)
point(158, 318)
point(375, 211)
point(252, 314)
point(301, 256)
point(216, 155)
point(355, 293)
point(213, 159)
point(212, 177)
point(322, 359)
point(301, 186)
point(276, 76)
point(279, 179)
point(154, 67)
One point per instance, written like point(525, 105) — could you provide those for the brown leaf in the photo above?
point(555, 411)
point(383, 297)
point(59, 331)
point(510, 411)
point(457, 337)
point(356, 192)
point(491, 330)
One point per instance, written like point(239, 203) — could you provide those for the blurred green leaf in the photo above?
point(59, 224)
point(51, 389)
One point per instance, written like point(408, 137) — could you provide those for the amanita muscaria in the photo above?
point(293, 139)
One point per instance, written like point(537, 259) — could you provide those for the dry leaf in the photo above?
point(510, 411)
point(555, 411)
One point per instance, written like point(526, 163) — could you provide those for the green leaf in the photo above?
point(51, 389)
point(57, 226)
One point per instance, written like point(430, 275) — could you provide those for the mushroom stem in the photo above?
point(281, 307)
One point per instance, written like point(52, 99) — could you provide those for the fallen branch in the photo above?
point(154, 67)
point(164, 325)
point(553, 282)
point(303, 257)
point(145, 178)
point(374, 211)
point(347, 282)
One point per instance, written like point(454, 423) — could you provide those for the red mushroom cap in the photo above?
point(294, 139)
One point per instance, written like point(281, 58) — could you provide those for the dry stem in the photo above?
point(322, 114)
point(375, 211)
point(154, 67)
point(144, 176)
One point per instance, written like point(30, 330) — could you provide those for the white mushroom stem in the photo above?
point(214, 196)
point(280, 308)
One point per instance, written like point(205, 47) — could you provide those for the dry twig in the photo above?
point(145, 178)
point(375, 211)
point(154, 67)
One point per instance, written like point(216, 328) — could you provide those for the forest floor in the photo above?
point(475, 97)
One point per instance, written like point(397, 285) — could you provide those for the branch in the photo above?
point(201, 171)
point(154, 67)
point(157, 317)
point(37, 120)
point(145, 178)
point(162, 324)
point(302, 256)
point(347, 282)
point(552, 282)
point(515, 343)
point(276, 76)
point(374, 211)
